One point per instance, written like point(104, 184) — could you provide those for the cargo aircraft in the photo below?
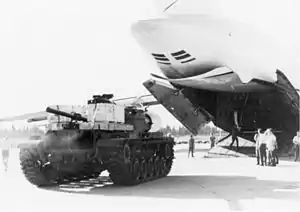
point(218, 67)
point(214, 68)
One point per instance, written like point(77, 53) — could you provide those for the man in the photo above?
point(271, 145)
point(296, 141)
point(257, 138)
point(262, 149)
point(5, 152)
point(191, 146)
point(235, 130)
point(212, 139)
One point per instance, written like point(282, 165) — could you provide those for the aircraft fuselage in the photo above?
point(222, 66)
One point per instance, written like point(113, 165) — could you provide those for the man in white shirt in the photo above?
point(296, 142)
point(271, 144)
point(257, 138)
point(262, 149)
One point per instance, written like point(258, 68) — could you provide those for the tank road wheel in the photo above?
point(163, 167)
point(136, 170)
point(168, 151)
point(168, 166)
point(156, 166)
point(115, 173)
point(31, 166)
point(126, 153)
point(150, 169)
point(160, 167)
point(143, 171)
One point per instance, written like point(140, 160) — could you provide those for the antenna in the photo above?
point(170, 5)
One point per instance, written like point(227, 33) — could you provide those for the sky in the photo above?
point(63, 52)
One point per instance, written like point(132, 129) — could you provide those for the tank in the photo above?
point(81, 142)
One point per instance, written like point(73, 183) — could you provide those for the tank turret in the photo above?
point(141, 121)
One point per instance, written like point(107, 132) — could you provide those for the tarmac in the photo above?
point(206, 184)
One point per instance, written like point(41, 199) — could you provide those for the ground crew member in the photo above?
point(212, 140)
point(5, 147)
point(191, 146)
point(235, 130)
point(271, 145)
point(296, 141)
point(262, 150)
point(257, 138)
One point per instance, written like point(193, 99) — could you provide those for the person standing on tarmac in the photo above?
point(257, 138)
point(5, 147)
point(262, 149)
point(271, 145)
point(212, 139)
point(235, 130)
point(191, 146)
point(296, 141)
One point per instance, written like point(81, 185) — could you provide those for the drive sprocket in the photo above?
point(31, 166)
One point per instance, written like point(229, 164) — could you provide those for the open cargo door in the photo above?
point(285, 87)
point(289, 95)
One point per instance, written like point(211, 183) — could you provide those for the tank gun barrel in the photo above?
point(75, 116)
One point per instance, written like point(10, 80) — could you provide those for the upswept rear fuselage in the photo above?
point(222, 66)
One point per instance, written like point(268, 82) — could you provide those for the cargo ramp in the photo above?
point(193, 118)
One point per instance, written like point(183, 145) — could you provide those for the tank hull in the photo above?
point(73, 155)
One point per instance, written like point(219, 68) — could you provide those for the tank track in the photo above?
point(140, 170)
point(122, 172)
point(48, 176)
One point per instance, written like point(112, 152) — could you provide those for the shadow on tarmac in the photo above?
point(230, 188)
point(186, 150)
